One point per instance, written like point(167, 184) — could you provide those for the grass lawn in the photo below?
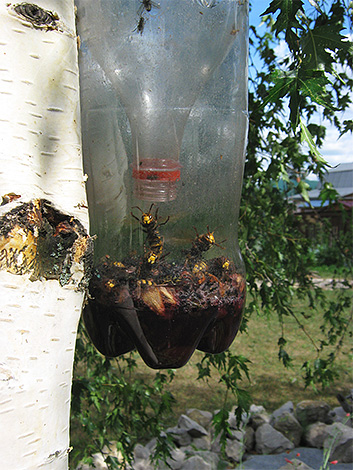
point(271, 383)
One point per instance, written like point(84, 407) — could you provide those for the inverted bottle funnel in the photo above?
point(158, 72)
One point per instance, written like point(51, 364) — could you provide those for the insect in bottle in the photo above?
point(140, 25)
point(147, 5)
point(201, 244)
point(155, 241)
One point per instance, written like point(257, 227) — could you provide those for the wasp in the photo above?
point(200, 272)
point(155, 241)
point(202, 243)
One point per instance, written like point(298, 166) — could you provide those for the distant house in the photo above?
point(338, 213)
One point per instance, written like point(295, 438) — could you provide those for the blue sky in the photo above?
point(335, 150)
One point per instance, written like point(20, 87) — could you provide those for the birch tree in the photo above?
point(44, 246)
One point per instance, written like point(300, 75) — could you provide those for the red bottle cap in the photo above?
point(157, 169)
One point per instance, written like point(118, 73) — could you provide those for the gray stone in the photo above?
point(216, 445)
point(258, 416)
point(203, 453)
point(340, 441)
point(209, 457)
point(151, 444)
point(270, 441)
point(346, 401)
point(203, 418)
point(191, 426)
point(235, 434)
point(112, 451)
point(232, 421)
point(289, 426)
point(175, 462)
point(256, 409)
point(180, 436)
point(141, 458)
point(249, 438)
point(196, 463)
point(141, 452)
point(177, 459)
point(286, 408)
point(203, 443)
point(339, 415)
point(296, 464)
point(244, 416)
point(97, 463)
point(311, 457)
point(258, 420)
point(234, 450)
point(142, 465)
point(311, 411)
point(316, 434)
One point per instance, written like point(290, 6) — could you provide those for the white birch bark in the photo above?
point(40, 158)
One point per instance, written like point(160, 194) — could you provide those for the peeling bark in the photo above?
point(44, 245)
point(38, 239)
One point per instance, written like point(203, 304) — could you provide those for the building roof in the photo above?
point(342, 167)
point(341, 178)
point(343, 192)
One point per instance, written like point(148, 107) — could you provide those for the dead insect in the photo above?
point(155, 241)
point(147, 5)
point(199, 267)
point(202, 243)
point(140, 25)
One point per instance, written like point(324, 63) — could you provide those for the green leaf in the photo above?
point(347, 126)
point(328, 193)
point(283, 85)
point(302, 189)
point(221, 427)
point(305, 136)
point(318, 43)
point(315, 88)
point(287, 11)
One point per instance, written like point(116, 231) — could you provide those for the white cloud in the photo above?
point(281, 50)
point(337, 150)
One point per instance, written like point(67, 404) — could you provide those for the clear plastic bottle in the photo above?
point(164, 117)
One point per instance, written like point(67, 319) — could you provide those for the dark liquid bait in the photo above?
point(166, 313)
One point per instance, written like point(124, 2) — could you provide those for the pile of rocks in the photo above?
point(310, 424)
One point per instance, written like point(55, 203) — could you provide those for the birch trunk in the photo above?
point(43, 231)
